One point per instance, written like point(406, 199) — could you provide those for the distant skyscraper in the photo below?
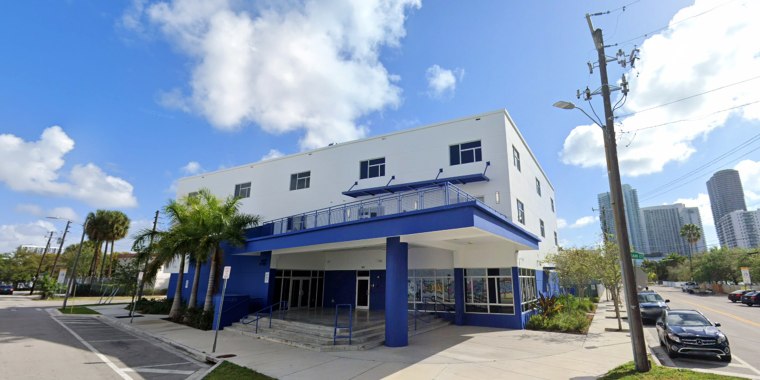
point(726, 195)
point(741, 229)
point(663, 228)
point(632, 216)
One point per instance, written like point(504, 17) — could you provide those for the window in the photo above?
point(488, 291)
point(465, 153)
point(516, 158)
point(555, 239)
point(372, 168)
point(243, 190)
point(431, 287)
point(538, 187)
point(520, 212)
point(552, 199)
point(528, 288)
point(300, 180)
point(543, 231)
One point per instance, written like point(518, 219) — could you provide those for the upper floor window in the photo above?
point(516, 158)
point(243, 190)
point(538, 187)
point(372, 168)
point(300, 180)
point(520, 212)
point(555, 239)
point(543, 231)
point(552, 199)
point(465, 153)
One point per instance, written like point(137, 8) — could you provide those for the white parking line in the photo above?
point(164, 371)
point(751, 368)
point(102, 357)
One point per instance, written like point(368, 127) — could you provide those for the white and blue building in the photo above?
point(458, 213)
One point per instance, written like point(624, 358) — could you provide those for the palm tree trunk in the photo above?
point(103, 262)
point(193, 302)
point(94, 262)
point(174, 313)
point(111, 262)
point(209, 304)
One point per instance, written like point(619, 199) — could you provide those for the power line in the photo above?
point(688, 97)
point(695, 119)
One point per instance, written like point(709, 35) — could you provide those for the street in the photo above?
point(34, 343)
point(740, 323)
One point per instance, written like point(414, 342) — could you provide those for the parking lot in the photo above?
point(740, 323)
point(127, 354)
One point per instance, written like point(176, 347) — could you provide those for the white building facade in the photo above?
point(663, 229)
point(741, 229)
point(459, 212)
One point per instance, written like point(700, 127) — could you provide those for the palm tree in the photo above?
point(118, 229)
point(96, 231)
point(692, 233)
point(219, 221)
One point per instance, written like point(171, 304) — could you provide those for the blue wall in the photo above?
point(340, 287)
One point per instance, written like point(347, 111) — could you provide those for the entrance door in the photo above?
point(362, 290)
point(299, 293)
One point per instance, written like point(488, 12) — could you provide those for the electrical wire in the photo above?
point(689, 97)
point(697, 118)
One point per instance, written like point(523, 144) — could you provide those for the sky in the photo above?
point(105, 104)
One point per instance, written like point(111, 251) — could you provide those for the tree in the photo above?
point(607, 270)
point(69, 256)
point(97, 231)
point(118, 228)
point(575, 267)
point(692, 233)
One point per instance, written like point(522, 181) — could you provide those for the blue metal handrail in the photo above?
point(425, 302)
point(435, 195)
point(282, 307)
point(350, 326)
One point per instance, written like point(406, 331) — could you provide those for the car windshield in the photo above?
point(687, 319)
point(652, 297)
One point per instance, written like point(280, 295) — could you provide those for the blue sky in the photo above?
point(106, 104)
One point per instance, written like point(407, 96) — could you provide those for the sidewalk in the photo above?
point(462, 352)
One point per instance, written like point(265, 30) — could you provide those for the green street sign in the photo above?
point(637, 256)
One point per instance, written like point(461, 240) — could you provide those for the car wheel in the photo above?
point(734, 301)
point(726, 358)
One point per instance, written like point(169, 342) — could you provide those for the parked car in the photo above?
point(689, 332)
point(6, 289)
point(689, 287)
point(736, 295)
point(652, 306)
point(751, 298)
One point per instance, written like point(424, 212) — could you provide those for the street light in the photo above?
point(73, 276)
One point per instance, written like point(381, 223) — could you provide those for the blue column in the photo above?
point(396, 277)
point(458, 296)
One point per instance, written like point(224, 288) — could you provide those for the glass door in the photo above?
point(299, 293)
point(362, 292)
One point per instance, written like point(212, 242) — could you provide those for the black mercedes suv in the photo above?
point(689, 332)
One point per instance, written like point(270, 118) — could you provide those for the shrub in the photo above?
point(572, 303)
point(154, 306)
point(569, 322)
point(195, 317)
point(548, 306)
point(48, 287)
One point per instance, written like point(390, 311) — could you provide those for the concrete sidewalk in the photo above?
point(461, 352)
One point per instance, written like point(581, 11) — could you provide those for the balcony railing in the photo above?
point(414, 200)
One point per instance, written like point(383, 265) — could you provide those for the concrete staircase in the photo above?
point(318, 337)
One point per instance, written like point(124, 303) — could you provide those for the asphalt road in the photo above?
point(36, 344)
point(740, 323)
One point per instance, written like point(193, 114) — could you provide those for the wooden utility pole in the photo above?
point(42, 259)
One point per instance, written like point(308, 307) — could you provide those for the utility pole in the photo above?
point(147, 258)
point(60, 248)
point(73, 276)
point(37, 275)
point(616, 198)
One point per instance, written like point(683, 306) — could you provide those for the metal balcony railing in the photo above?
point(413, 200)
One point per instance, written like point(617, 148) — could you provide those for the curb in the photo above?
point(200, 376)
point(198, 355)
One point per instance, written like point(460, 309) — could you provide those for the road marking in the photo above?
point(740, 319)
point(165, 365)
point(102, 357)
point(753, 369)
point(164, 371)
point(111, 340)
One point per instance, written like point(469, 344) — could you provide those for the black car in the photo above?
point(652, 306)
point(688, 332)
point(751, 298)
point(6, 289)
point(736, 295)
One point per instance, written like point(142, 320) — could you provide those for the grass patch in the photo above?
point(228, 370)
point(628, 371)
point(77, 310)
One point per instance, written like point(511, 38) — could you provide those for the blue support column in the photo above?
point(458, 296)
point(396, 277)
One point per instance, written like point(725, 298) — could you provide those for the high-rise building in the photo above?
point(632, 215)
point(663, 228)
point(741, 229)
point(726, 195)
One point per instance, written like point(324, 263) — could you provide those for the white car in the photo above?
point(689, 287)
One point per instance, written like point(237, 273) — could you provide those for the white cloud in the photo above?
point(64, 213)
point(34, 167)
point(14, 235)
point(561, 223)
point(59, 212)
point(273, 153)
point(442, 82)
point(284, 66)
point(192, 167)
point(749, 172)
point(690, 57)
point(32, 209)
point(579, 223)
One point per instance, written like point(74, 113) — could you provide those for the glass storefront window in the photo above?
point(489, 290)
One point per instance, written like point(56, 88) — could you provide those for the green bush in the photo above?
point(154, 306)
point(48, 287)
point(569, 322)
point(572, 303)
point(195, 317)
